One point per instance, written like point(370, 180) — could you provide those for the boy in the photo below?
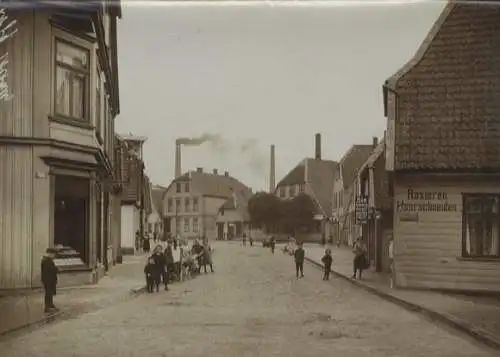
point(49, 279)
point(299, 256)
point(327, 262)
point(149, 271)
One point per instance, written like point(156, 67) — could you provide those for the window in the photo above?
point(186, 187)
point(291, 191)
point(301, 187)
point(481, 226)
point(98, 105)
point(72, 79)
point(178, 187)
point(282, 192)
point(195, 204)
point(170, 203)
point(177, 205)
point(186, 224)
point(187, 204)
point(195, 225)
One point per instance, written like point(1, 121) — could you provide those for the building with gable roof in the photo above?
point(191, 202)
point(314, 177)
point(344, 191)
point(443, 154)
point(233, 219)
point(156, 217)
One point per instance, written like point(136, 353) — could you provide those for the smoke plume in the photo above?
point(197, 141)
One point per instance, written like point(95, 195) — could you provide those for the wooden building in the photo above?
point(59, 98)
point(192, 202)
point(443, 152)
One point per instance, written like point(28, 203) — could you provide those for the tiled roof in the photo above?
point(295, 177)
point(209, 184)
point(375, 154)
point(320, 176)
point(352, 161)
point(449, 94)
point(239, 202)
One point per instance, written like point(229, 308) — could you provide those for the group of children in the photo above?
point(299, 257)
point(175, 263)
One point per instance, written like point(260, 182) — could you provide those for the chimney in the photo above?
point(317, 147)
point(178, 167)
point(199, 169)
point(226, 173)
point(215, 171)
point(272, 173)
point(375, 142)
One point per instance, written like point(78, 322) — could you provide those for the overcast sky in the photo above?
point(260, 75)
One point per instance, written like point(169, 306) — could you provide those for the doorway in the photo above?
point(71, 213)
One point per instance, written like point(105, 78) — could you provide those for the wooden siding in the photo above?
point(16, 115)
point(16, 227)
point(427, 252)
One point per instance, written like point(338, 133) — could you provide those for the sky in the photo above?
point(259, 74)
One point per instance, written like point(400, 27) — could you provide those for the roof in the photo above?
point(157, 193)
point(320, 176)
point(447, 117)
point(238, 202)
point(352, 161)
point(210, 184)
point(379, 150)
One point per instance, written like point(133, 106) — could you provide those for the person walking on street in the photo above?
point(49, 279)
point(391, 262)
point(160, 266)
point(272, 243)
point(207, 258)
point(137, 240)
point(359, 262)
point(327, 263)
point(299, 256)
point(146, 245)
point(149, 272)
point(169, 261)
point(251, 241)
point(244, 239)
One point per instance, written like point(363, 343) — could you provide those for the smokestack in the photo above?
point(317, 147)
point(178, 167)
point(375, 142)
point(272, 173)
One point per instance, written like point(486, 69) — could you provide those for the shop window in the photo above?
point(195, 225)
point(186, 225)
point(72, 81)
point(481, 226)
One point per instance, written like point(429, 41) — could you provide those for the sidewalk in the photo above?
point(18, 310)
point(479, 317)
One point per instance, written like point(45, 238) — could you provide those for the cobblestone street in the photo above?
point(251, 306)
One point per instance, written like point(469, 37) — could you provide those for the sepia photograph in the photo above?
point(219, 178)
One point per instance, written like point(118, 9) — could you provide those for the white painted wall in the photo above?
point(130, 225)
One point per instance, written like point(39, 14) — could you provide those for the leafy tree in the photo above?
point(298, 213)
point(264, 209)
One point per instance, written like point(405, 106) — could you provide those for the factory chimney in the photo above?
point(178, 160)
point(317, 147)
point(272, 173)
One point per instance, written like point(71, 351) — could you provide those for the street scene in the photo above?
point(251, 306)
point(287, 178)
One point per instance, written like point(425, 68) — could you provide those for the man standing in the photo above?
point(160, 266)
point(299, 256)
point(49, 279)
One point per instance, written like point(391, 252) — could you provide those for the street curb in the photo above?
point(136, 291)
point(46, 319)
point(478, 334)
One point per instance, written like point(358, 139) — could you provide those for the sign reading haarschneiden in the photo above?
point(7, 31)
point(425, 201)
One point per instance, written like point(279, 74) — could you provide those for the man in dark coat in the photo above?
point(160, 266)
point(299, 256)
point(169, 261)
point(49, 279)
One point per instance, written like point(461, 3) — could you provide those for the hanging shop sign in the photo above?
point(7, 30)
point(361, 209)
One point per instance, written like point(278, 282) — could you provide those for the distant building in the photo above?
point(443, 154)
point(344, 193)
point(233, 219)
point(156, 217)
point(313, 177)
point(192, 201)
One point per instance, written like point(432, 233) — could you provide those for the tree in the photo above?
point(298, 213)
point(264, 209)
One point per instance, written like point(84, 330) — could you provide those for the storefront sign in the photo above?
point(425, 201)
point(7, 31)
point(361, 209)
